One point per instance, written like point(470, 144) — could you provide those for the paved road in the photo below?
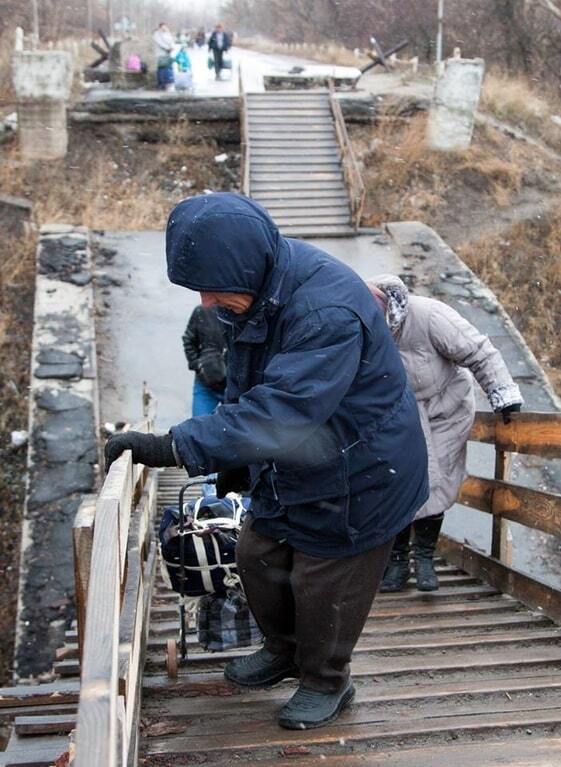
point(139, 339)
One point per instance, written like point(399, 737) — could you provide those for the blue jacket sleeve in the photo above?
point(302, 387)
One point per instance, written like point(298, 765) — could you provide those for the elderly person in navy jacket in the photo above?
point(319, 416)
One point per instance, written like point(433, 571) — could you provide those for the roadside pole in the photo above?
point(439, 35)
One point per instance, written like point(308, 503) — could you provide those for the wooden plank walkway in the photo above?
point(295, 165)
point(435, 674)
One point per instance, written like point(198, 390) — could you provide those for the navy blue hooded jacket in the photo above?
point(318, 404)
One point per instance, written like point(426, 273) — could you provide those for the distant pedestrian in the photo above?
point(163, 48)
point(204, 345)
point(200, 37)
point(441, 352)
point(219, 42)
point(184, 78)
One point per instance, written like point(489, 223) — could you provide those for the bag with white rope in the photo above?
point(211, 531)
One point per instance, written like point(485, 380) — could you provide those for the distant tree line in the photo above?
point(62, 18)
point(519, 35)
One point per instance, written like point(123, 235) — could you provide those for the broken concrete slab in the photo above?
point(63, 448)
point(15, 215)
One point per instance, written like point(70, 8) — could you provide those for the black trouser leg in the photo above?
point(312, 607)
point(333, 598)
point(264, 566)
point(218, 61)
point(426, 536)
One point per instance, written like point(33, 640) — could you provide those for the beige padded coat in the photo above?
point(441, 351)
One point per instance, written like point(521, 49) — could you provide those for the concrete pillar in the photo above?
point(455, 100)
point(42, 81)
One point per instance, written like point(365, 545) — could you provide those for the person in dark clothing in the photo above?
point(204, 345)
point(319, 421)
point(219, 42)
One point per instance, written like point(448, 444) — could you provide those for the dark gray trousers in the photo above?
point(309, 608)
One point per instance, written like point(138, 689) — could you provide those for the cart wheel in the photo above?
point(171, 658)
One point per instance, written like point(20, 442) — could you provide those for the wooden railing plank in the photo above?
point(532, 433)
point(533, 508)
point(351, 171)
point(96, 737)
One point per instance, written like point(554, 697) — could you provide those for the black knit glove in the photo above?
point(232, 481)
point(146, 449)
point(506, 411)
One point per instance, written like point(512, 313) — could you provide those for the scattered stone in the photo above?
point(80, 279)
point(56, 400)
point(489, 306)
point(54, 363)
point(63, 480)
point(62, 257)
point(103, 280)
point(107, 253)
point(460, 280)
point(19, 438)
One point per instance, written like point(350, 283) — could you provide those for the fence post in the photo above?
point(499, 537)
point(82, 540)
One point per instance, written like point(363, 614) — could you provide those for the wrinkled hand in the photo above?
point(232, 481)
point(147, 449)
point(506, 411)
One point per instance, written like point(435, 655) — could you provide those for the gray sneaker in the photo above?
point(260, 669)
point(309, 708)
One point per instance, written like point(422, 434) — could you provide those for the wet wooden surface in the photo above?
point(436, 675)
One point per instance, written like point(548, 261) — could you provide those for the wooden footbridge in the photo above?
point(469, 675)
point(298, 162)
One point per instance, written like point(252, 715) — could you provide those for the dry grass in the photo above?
point(17, 272)
point(517, 101)
point(110, 182)
point(406, 180)
point(523, 266)
point(328, 53)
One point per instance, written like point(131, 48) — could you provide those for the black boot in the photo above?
point(398, 572)
point(260, 669)
point(308, 709)
point(426, 536)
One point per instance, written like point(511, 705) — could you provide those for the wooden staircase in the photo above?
point(296, 162)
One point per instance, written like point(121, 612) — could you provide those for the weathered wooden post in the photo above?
point(42, 81)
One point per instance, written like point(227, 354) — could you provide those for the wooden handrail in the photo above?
point(244, 131)
point(351, 170)
point(121, 565)
point(536, 434)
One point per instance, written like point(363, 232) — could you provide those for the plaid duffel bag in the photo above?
point(226, 622)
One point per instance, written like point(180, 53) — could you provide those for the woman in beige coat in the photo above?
point(440, 351)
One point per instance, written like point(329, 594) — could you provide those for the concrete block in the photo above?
point(42, 129)
point(42, 81)
point(455, 100)
point(42, 75)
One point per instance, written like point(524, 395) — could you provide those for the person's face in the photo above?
point(219, 27)
point(238, 303)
